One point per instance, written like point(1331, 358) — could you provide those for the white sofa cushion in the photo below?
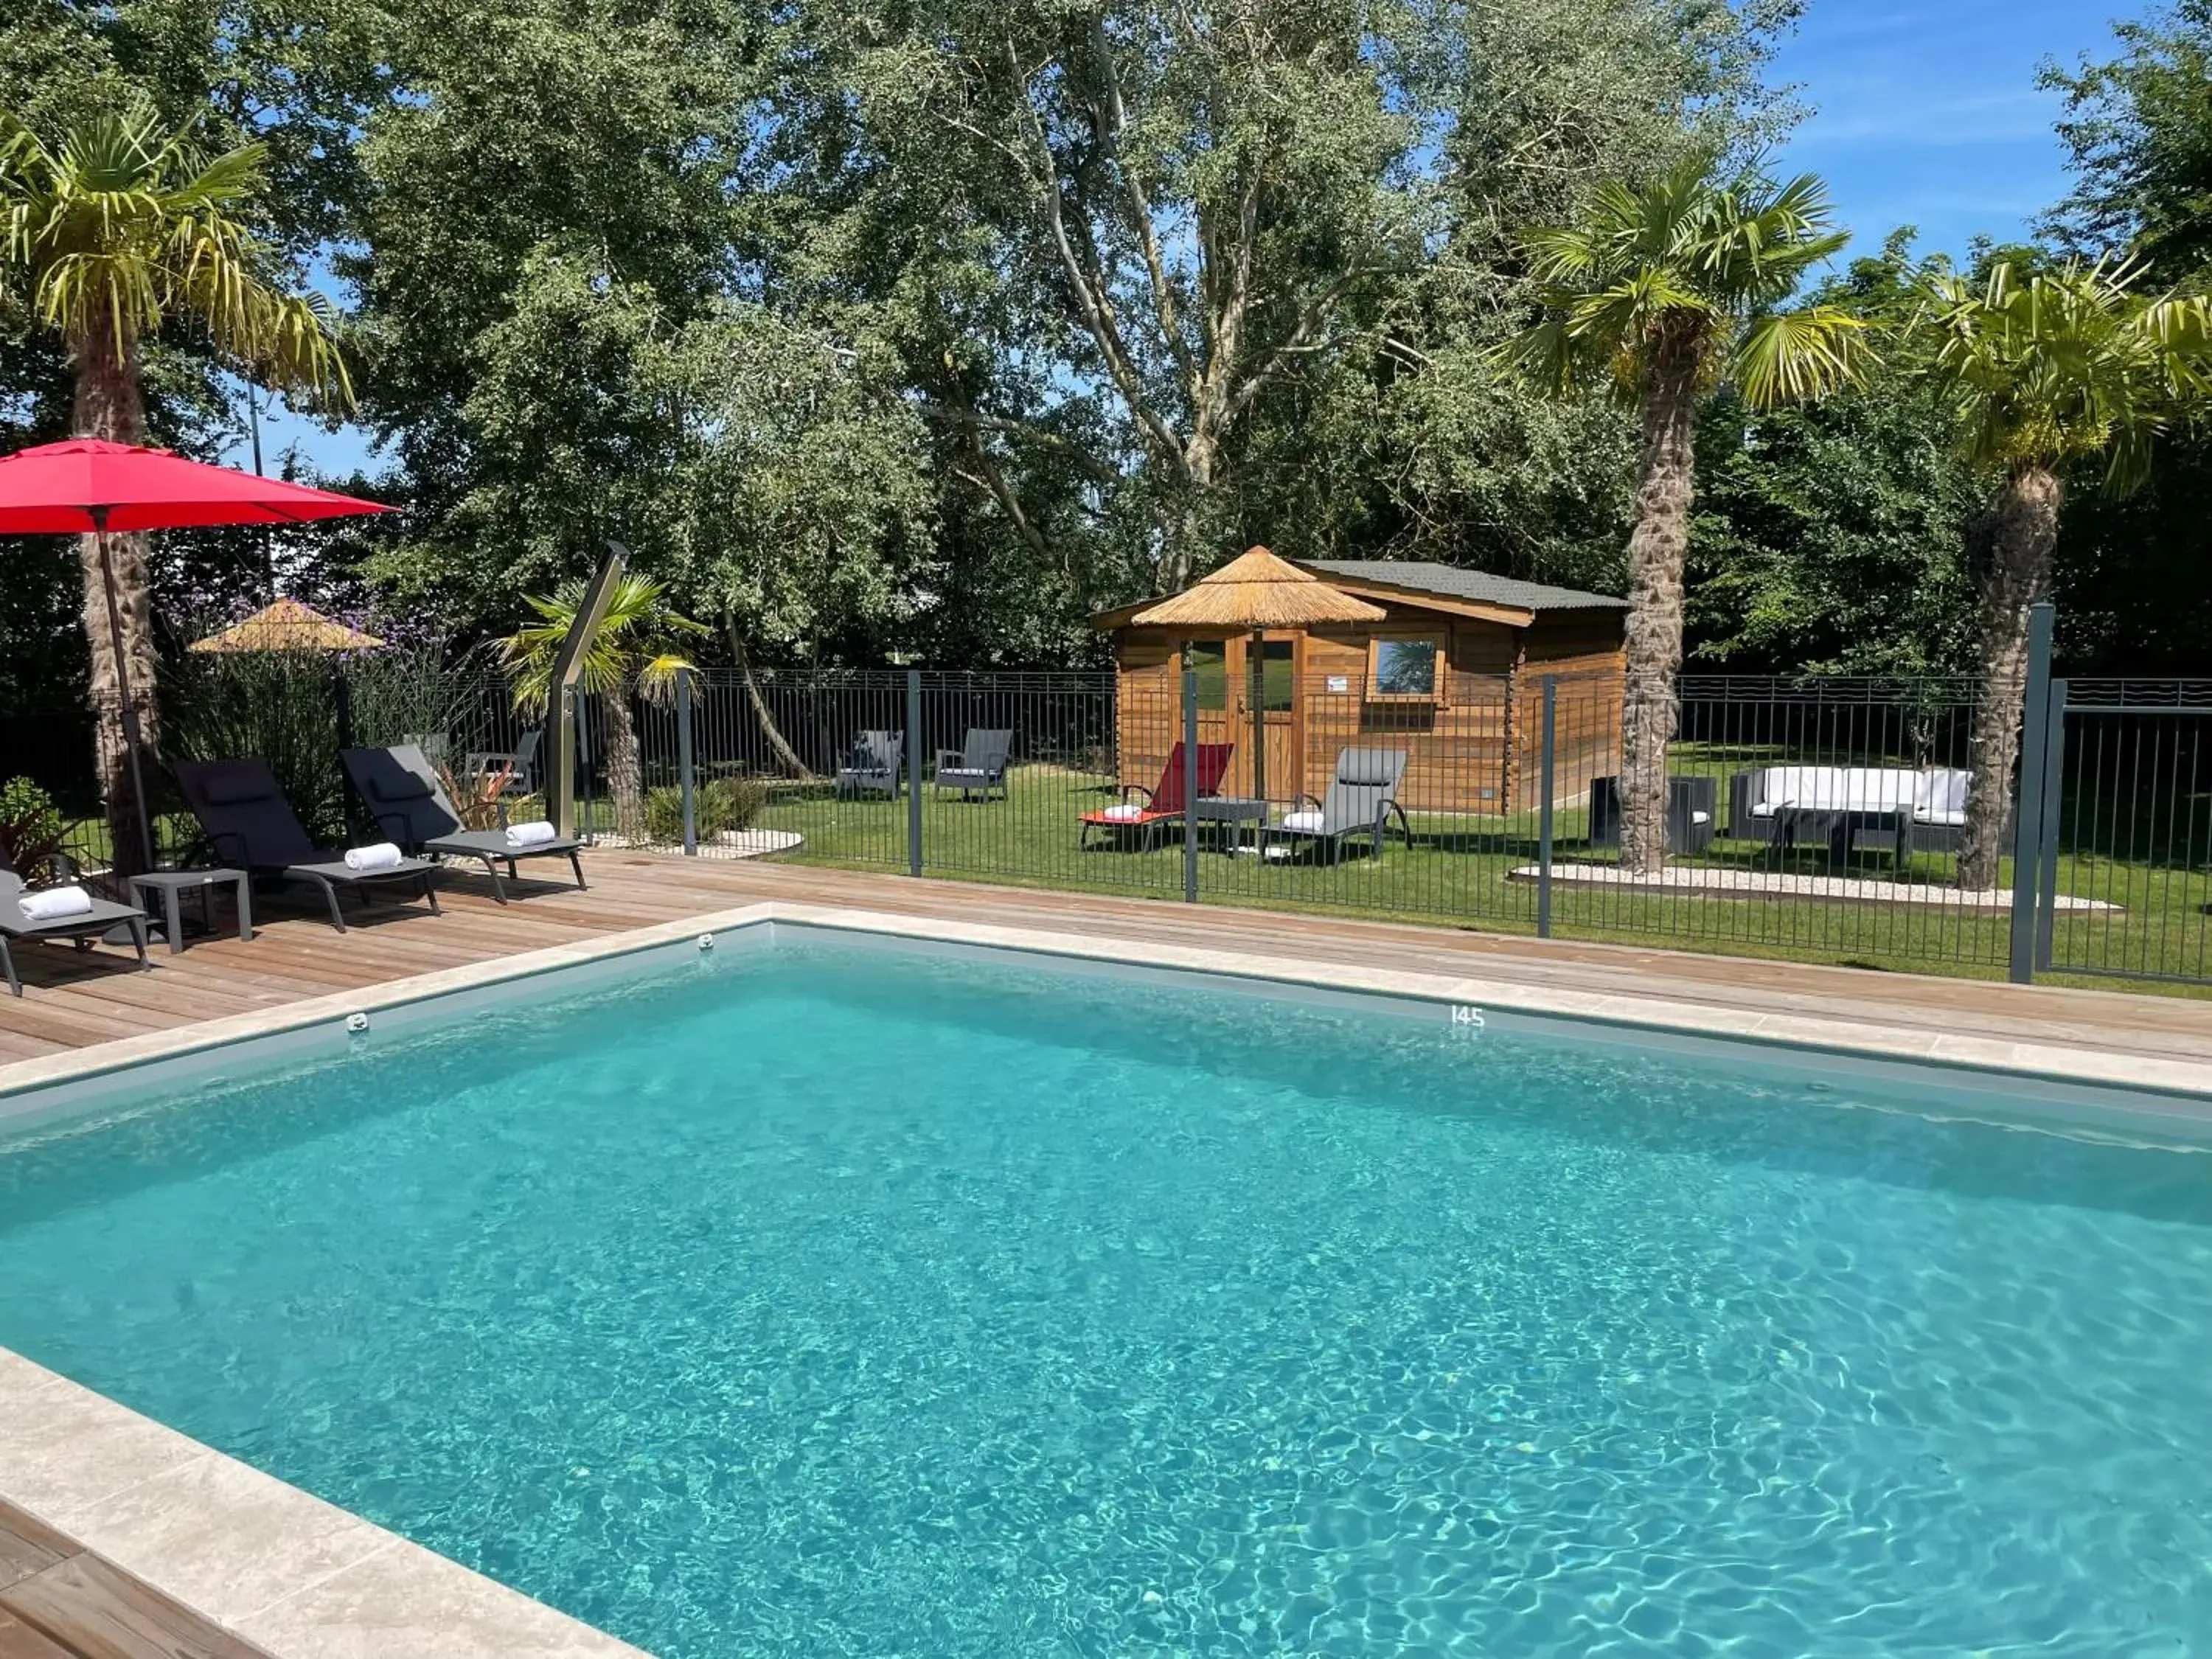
point(1937, 795)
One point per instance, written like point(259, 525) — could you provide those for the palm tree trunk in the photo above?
point(1657, 551)
point(107, 404)
point(2010, 548)
point(625, 766)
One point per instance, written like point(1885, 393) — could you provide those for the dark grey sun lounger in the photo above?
point(82, 929)
point(411, 808)
point(249, 824)
point(1363, 797)
point(980, 763)
point(873, 768)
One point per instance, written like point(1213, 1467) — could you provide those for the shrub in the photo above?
point(720, 804)
point(31, 831)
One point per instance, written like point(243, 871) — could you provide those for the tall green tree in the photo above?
point(636, 648)
point(2133, 573)
point(1829, 536)
point(553, 190)
point(1664, 293)
point(2039, 370)
point(2138, 128)
point(1181, 203)
point(118, 228)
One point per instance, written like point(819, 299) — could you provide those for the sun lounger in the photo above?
point(1363, 797)
point(1162, 805)
point(249, 824)
point(408, 802)
point(978, 764)
point(81, 927)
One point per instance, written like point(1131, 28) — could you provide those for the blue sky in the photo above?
point(1923, 113)
point(1926, 111)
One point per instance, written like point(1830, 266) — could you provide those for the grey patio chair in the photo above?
point(1690, 809)
point(249, 823)
point(80, 929)
point(873, 765)
point(520, 763)
point(978, 764)
point(410, 805)
point(1362, 799)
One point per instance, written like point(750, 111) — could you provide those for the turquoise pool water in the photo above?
point(829, 1301)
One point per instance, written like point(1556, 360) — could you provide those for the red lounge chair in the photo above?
point(1163, 803)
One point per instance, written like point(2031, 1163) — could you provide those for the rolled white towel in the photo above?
point(1309, 821)
point(536, 833)
point(55, 904)
point(378, 855)
point(1128, 812)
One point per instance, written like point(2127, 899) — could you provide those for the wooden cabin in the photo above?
point(1454, 673)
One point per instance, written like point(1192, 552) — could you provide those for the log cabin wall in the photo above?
point(1582, 649)
point(1476, 746)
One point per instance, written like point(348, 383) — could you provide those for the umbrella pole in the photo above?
point(130, 741)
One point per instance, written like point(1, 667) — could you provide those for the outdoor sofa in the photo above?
point(249, 824)
point(79, 929)
point(1362, 799)
point(409, 804)
point(1925, 810)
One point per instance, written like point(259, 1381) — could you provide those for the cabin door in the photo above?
point(1268, 731)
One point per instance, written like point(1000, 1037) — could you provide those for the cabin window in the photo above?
point(1209, 660)
point(1278, 675)
point(1410, 669)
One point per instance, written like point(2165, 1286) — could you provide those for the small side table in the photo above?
point(170, 883)
point(1235, 811)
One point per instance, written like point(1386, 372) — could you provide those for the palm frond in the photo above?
point(1695, 257)
point(1799, 357)
point(125, 225)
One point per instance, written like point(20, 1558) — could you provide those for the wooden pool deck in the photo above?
point(74, 1002)
point(59, 1601)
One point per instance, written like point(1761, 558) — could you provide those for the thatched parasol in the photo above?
point(287, 625)
point(1252, 593)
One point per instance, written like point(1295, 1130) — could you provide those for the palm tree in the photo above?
point(123, 230)
point(1665, 293)
point(2041, 371)
point(635, 645)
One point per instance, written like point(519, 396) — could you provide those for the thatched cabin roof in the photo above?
point(1255, 591)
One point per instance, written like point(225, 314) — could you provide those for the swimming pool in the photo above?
point(837, 1300)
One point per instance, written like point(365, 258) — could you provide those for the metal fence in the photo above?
point(1807, 819)
point(1816, 819)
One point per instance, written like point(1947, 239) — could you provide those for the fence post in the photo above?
point(2029, 797)
point(579, 708)
point(914, 771)
point(1547, 756)
point(1189, 784)
point(2054, 771)
point(683, 762)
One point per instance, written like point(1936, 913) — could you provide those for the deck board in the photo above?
point(58, 1600)
point(74, 1000)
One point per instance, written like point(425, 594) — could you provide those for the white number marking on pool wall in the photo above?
point(1467, 1015)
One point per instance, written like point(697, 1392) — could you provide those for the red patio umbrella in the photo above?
point(89, 485)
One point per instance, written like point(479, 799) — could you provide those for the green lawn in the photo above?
point(1455, 874)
